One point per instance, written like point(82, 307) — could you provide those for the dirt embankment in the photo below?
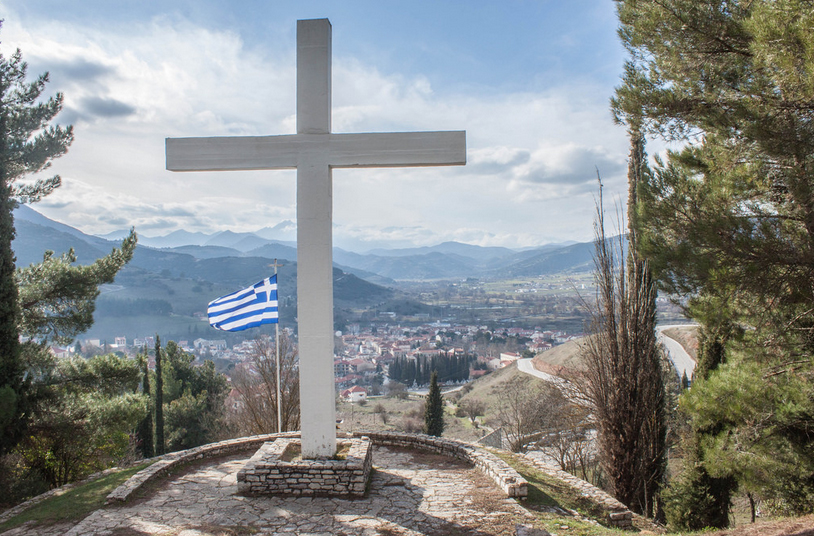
point(686, 337)
point(561, 359)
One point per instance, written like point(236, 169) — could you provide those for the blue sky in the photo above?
point(528, 80)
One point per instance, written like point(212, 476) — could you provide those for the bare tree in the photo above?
point(527, 408)
point(381, 411)
point(256, 383)
point(473, 408)
point(571, 445)
point(624, 377)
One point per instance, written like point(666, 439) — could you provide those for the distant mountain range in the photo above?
point(166, 286)
point(203, 256)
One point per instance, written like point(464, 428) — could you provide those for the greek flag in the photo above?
point(247, 308)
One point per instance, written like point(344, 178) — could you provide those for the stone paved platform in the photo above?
point(411, 493)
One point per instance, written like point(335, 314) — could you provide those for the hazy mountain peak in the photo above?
point(448, 260)
point(286, 230)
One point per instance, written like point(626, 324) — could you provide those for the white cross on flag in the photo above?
point(247, 308)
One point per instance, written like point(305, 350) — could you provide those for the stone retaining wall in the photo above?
point(268, 472)
point(618, 515)
point(167, 462)
point(509, 480)
point(504, 476)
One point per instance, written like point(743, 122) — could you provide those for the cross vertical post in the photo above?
point(315, 304)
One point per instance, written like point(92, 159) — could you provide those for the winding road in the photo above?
point(679, 357)
point(525, 365)
point(681, 360)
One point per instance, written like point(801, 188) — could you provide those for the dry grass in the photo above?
point(565, 355)
point(795, 526)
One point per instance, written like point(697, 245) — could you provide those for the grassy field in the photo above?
point(548, 285)
point(552, 502)
point(402, 415)
point(73, 505)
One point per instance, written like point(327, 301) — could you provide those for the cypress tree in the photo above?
point(434, 409)
point(395, 371)
point(145, 429)
point(159, 400)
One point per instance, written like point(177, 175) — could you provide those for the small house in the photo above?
point(354, 394)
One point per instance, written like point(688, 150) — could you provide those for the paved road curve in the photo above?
point(525, 365)
point(681, 360)
point(679, 357)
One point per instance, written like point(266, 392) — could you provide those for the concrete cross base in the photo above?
point(277, 469)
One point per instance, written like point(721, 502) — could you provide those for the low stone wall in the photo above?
point(618, 515)
point(166, 463)
point(268, 473)
point(509, 480)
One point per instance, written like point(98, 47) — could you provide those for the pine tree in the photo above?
point(27, 145)
point(57, 298)
point(160, 445)
point(84, 426)
point(434, 409)
point(728, 222)
point(12, 402)
point(53, 300)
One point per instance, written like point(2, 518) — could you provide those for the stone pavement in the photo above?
point(411, 493)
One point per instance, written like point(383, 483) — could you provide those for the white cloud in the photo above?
point(532, 156)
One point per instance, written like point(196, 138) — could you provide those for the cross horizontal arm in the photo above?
point(380, 149)
point(398, 149)
point(233, 153)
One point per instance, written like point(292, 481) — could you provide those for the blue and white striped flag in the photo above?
point(247, 308)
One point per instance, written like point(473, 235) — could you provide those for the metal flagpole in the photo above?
point(277, 346)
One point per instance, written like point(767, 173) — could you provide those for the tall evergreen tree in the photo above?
point(728, 222)
point(145, 429)
point(160, 444)
point(653, 394)
point(193, 399)
point(53, 300)
point(27, 145)
point(434, 409)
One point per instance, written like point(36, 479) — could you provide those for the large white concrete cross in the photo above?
point(314, 151)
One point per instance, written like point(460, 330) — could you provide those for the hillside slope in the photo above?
point(565, 356)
